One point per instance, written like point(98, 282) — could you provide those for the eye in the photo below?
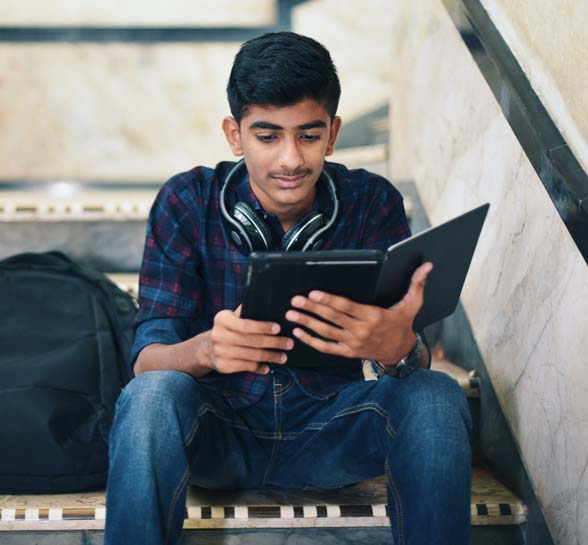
point(310, 137)
point(267, 138)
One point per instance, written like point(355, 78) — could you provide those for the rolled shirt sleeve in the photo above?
point(170, 285)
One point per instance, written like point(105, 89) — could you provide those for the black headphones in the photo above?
point(251, 234)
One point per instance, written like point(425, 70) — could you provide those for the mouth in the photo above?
point(289, 182)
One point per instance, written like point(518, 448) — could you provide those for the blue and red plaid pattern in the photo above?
point(191, 269)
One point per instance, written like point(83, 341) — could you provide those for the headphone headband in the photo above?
point(250, 232)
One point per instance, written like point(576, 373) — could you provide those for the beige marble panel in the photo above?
point(550, 41)
point(136, 112)
point(111, 111)
point(357, 35)
point(138, 12)
point(526, 291)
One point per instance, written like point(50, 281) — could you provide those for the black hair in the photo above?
point(281, 69)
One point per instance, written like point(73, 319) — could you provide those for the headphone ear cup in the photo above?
point(252, 227)
point(299, 234)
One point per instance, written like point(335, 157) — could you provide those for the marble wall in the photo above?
point(550, 42)
point(525, 295)
point(133, 112)
point(357, 36)
point(111, 111)
point(138, 12)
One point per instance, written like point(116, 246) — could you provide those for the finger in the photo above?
point(261, 369)
point(339, 303)
point(231, 321)
point(238, 311)
point(235, 366)
point(325, 311)
point(255, 355)
point(421, 273)
point(415, 296)
point(318, 326)
point(326, 347)
point(255, 341)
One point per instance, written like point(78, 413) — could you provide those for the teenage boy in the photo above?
point(212, 402)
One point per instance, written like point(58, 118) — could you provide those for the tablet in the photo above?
point(365, 276)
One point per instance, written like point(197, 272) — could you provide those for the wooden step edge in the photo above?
point(106, 206)
point(360, 156)
point(128, 282)
point(47, 211)
point(381, 125)
point(468, 380)
point(492, 504)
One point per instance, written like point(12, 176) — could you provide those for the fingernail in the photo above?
point(290, 344)
point(298, 301)
point(283, 358)
point(292, 315)
point(265, 369)
point(276, 328)
point(297, 332)
point(315, 295)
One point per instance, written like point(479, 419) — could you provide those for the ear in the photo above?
point(335, 127)
point(233, 135)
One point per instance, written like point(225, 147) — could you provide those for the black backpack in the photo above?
point(65, 342)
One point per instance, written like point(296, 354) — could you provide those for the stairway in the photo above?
point(85, 225)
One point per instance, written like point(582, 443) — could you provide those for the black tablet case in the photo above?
point(364, 276)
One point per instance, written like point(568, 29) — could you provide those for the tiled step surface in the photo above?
point(468, 380)
point(103, 229)
point(83, 205)
point(78, 201)
point(362, 505)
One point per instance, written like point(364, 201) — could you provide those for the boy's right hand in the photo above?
point(237, 344)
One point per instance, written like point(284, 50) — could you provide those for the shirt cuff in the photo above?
point(158, 331)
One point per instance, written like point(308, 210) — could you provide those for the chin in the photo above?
point(292, 196)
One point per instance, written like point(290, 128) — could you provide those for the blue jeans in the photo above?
point(170, 429)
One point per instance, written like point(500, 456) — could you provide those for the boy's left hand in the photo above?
point(361, 331)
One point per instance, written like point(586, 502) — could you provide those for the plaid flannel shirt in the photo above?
point(191, 269)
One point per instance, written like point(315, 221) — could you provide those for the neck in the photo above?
point(287, 214)
point(291, 216)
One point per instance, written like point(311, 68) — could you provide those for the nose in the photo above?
point(291, 158)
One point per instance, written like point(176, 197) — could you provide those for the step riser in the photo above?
point(104, 245)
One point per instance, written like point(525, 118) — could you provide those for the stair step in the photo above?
point(85, 205)
point(102, 229)
point(128, 282)
point(361, 505)
point(56, 204)
point(468, 380)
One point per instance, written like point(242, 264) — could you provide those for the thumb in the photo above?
point(415, 295)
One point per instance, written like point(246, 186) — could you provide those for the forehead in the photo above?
point(287, 117)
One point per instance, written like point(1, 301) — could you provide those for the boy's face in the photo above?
point(284, 151)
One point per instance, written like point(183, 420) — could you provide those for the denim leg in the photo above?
point(165, 422)
point(428, 464)
point(416, 430)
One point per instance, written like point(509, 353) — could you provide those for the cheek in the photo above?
point(261, 164)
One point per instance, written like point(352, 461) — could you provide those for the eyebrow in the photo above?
point(318, 124)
